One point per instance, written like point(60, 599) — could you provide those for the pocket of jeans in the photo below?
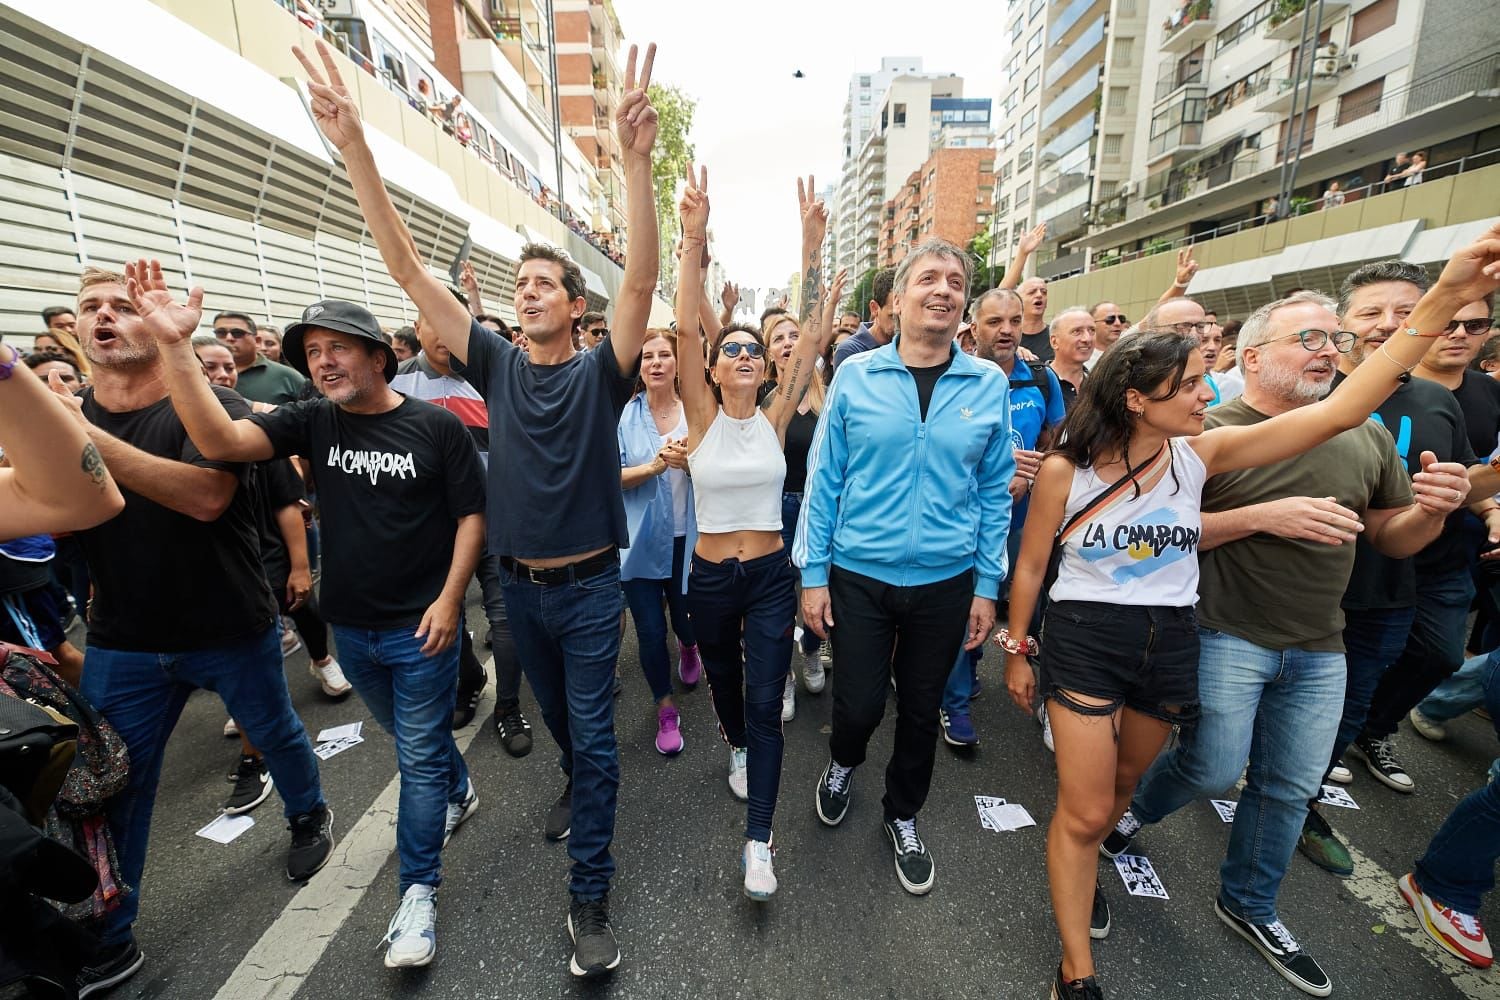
point(1085, 616)
point(609, 579)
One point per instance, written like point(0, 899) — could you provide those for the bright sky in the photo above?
point(757, 127)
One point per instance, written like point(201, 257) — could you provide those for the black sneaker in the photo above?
point(560, 817)
point(312, 843)
point(1380, 760)
point(1118, 841)
point(1099, 915)
point(467, 702)
point(252, 785)
point(1076, 989)
point(913, 864)
point(111, 968)
point(1281, 950)
point(833, 792)
point(515, 731)
point(595, 952)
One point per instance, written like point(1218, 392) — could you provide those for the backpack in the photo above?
point(1044, 384)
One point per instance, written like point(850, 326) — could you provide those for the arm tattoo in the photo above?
point(93, 464)
point(790, 389)
point(812, 291)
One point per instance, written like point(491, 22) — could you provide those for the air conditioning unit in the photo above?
point(1329, 51)
point(1125, 190)
point(1325, 68)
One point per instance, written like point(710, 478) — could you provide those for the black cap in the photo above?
point(340, 317)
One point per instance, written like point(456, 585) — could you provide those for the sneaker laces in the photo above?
point(1466, 922)
point(1283, 937)
point(592, 918)
point(739, 758)
point(761, 852)
point(906, 832)
point(511, 721)
point(306, 828)
point(838, 777)
point(1384, 752)
point(1128, 826)
point(248, 774)
point(413, 916)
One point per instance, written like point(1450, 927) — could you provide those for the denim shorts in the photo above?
point(1142, 658)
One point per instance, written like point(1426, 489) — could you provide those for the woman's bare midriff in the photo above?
point(741, 545)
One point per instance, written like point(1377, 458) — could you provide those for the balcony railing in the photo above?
point(1189, 24)
point(1092, 37)
point(1173, 74)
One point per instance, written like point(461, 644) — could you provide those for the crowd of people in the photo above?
point(1263, 536)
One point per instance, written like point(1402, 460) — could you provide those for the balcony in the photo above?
point(1057, 71)
point(1278, 97)
point(1189, 26)
point(1285, 22)
point(1174, 74)
point(1081, 90)
point(1178, 127)
point(1062, 24)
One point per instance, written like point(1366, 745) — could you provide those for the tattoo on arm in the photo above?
point(790, 388)
point(93, 464)
point(812, 291)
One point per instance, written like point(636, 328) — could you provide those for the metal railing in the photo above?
point(1194, 10)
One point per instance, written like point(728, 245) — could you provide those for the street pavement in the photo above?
point(222, 921)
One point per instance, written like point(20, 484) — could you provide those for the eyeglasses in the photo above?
point(1200, 327)
point(1114, 319)
point(603, 331)
point(226, 333)
point(1472, 327)
point(734, 347)
point(1316, 340)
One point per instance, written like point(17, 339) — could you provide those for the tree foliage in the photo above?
point(984, 277)
point(673, 152)
point(858, 300)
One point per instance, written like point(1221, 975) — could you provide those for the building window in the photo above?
point(898, 115)
point(1004, 174)
point(1107, 189)
point(1124, 51)
point(1034, 43)
point(1112, 147)
point(1239, 91)
point(1024, 160)
point(1032, 79)
point(1118, 98)
point(1008, 138)
point(1028, 121)
point(1373, 19)
point(1023, 194)
point(1016, 29)
point(1125, 8)
point(1361, 101)
point(1244, 27)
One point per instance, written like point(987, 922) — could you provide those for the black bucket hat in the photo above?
point(341, 317)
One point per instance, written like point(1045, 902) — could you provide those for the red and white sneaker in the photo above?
point(1459, 933)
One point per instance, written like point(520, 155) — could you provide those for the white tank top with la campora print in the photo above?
point(738, 470)
point(1136, 550)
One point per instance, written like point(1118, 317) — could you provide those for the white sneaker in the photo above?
point(330, 676)
point(739, 780)
point(789, 699)
point(460, 811)
point(760, 879)
point(1340, 774)
point(813, 675)
point(231, 728)
point(1425, 727)
point(411, 938)
point(1046, 721)
point(290, 642)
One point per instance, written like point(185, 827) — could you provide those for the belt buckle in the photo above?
point(532, 575)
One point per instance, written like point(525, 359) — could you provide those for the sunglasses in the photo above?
point(734, 347)
point(1473, 327)
point(1114, 319)
point(601, 333)
point(226, 333)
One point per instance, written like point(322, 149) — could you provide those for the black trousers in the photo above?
point(913, 633)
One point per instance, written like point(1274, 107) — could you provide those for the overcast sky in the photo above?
point(757, 127)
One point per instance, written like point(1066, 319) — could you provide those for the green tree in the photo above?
point(983, 278)
point(673, 152)
point(858, 300)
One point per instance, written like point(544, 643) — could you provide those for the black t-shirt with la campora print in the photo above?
point(165, 582)
point(554, 470)
point(391, 488)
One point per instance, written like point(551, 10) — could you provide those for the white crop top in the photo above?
point(1140, 551)
point(738, 470)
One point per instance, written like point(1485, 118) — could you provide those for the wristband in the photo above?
point(1414, 332)
point(1015, 647)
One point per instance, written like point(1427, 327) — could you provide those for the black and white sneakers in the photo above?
point(1380, 760)
point(1118, 841)
point(595, 951)
point(913, 864)
point(312, 843)
point(114, 965)
point(1099, 915)
point(252, 785)
point(833, 793)
point(1281, 951)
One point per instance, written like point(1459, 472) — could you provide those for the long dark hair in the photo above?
point(1100, 425)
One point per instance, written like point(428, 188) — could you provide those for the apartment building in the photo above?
point(865, 90)
point(1248, 101)
point(589, 90)
point(948, 197)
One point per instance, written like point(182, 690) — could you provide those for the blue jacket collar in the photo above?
point(888, 357)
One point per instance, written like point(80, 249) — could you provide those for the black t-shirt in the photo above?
point(927, 381)
point(277, 485)
point(1479, 397)
point(165, 582)
point(799, 437)
point(1421, 416)
point(1069, 390)
point(1039, 344)
point(554, 473)
point(391, 488)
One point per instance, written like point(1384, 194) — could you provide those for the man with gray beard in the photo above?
point(1276, 554)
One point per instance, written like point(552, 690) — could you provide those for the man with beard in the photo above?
point(1036, 411)
point(1271, 673)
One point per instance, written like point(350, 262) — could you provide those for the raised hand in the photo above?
point(332, 107)
point(831, 302)
point(1186, 267)
point(693, 208)
point(813, 212)
point(1033, 239)
point(635, 122)
point(168, 321)
point(467, 280)
point(1474, 271)
point(730, 296)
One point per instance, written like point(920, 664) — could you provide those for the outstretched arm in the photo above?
point(729, 297)
point(338, 119)
point(1186, 268)
point(1029, 242)
point(697, 399)
point(801, 369)
point(471, 289)
point(636, 126)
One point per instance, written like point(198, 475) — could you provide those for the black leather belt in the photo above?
point(551, 576)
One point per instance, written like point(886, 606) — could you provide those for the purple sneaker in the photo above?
point(689, 665)
point(668, 736)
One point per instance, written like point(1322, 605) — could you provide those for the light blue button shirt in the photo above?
point(648, 507)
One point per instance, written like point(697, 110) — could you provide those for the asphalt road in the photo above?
point(222, 920)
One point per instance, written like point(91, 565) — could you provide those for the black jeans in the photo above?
point(914, 633)
point(1434, 650)
point(743, 614)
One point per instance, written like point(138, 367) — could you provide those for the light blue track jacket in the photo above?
point(901, 500)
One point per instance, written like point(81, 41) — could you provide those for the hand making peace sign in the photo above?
point(332, 107)
point(635, 122)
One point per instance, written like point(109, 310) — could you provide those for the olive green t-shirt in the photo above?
point(266, 381)
point(1277, 592)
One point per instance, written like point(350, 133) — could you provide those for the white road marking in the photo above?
point(276, 966)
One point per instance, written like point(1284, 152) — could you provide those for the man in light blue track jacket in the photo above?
point(902, 536)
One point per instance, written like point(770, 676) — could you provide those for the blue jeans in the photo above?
point(645, 600)
point(791, 508)
point(411, 696)
point(1434, 651)
point(142, 694)
point(1279, 709)
point(568, 638)
point(1372, 642)
point(960, 688)
point(1465, 691)
point(1459, 866)
point(502, 643)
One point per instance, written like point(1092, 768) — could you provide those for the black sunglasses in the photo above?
point(1473, 327)
point(1113, 319)
point(224, 333)
point(734, 347)
point(603, 331)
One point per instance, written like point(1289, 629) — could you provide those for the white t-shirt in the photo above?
point(677, 479)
